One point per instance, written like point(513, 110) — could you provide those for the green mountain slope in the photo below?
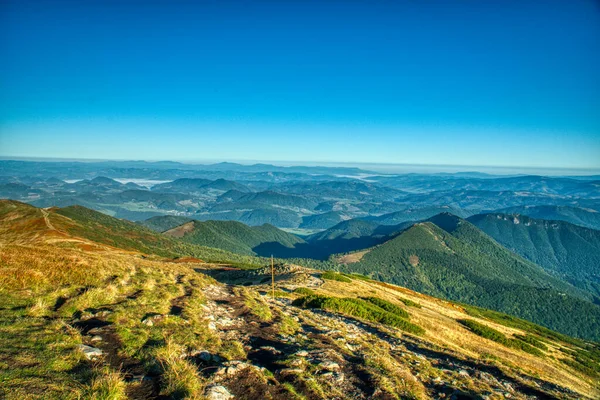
point(101, 228)
point(321, 221)
point(163, 223)
point(575, 215)
point(416, 214)
point(234, 236)
point(566, 250)
point(449, 257)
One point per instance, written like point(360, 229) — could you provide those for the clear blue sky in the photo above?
point(473, 83)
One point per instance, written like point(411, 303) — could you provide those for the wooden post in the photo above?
point(272, 277)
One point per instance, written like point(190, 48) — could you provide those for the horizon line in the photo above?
point(299, 163)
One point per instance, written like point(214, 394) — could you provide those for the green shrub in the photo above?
point(492, 334)
point(304, 291)
point(586, 360)
point(358, 276)
point(335, 276)
point(387, 306)
point(360, 309)
point(532, 340)
point(410, 303)
point(484, 331)
point(514, 322)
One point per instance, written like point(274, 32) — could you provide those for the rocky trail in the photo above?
point(322, 355)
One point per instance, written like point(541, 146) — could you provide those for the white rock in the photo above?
point(89, 352)
point(217, 392)
point(329, 365)
point(96, 338)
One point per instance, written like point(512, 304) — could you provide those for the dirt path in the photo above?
point(47, 220)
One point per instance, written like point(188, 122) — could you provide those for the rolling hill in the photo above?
point(234, 236)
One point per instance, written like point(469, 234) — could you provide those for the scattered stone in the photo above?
point(217, 392)
point(89, 352)
point(296, 362)
point(464, 373)
point(96, 338)
point(291, 371)
point(233, 367)
point(201, 354)
point(329, 365)
point(102, 314)
point(148, 322)
point(302, 353)
point(212, 326)
point(270, 349)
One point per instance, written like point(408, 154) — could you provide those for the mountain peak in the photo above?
point(447, 221)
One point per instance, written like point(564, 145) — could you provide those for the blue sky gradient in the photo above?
point(512, 83)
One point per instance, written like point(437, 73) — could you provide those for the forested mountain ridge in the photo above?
point(568, 251)
point(449, 257)
point(232, 236)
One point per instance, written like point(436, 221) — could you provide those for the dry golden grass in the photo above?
point(181, 378)
point(438, 318)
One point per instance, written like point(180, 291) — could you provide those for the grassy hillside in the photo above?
point(162, 223)
point(566, 250)
point(321, 221)
point(451, 258)
point(80, 222)
point(234, 236)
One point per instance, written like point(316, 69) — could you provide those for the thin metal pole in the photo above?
point(272, 277)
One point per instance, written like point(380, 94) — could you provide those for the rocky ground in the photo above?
point(311, 354)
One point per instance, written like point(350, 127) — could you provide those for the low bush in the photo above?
point(335, 276)
point(532, 340)
point(387, 306)
point(492, 334)
point(304, 291)
point(360, 309)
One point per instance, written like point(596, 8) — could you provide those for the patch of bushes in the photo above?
point(532, 340)
point(498, 337)
point(410, 303)
point(280, 293)
point(304, 291)
point(387, 306)
point(360, 309)
point(358, 276)
point(335, 276)
point(585, 360)
point(518, 323)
